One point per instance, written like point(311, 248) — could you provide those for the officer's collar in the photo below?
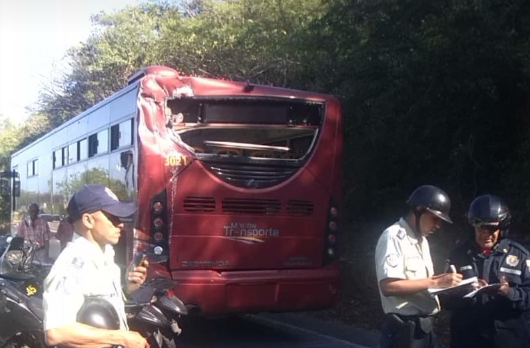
point(94, 251)
point(410, 232)
point(501, 247)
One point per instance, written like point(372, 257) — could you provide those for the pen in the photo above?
point(453, 269)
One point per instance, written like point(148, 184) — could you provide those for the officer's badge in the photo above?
point(512, 260)
point(392, 260)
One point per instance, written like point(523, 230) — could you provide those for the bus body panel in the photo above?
point(239, 238)
point(253, 291)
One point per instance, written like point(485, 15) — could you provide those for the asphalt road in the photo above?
point(271, 330)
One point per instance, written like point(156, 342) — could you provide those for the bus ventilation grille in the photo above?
point(251, 206)
point(300, 208)
point(199, 204)
point(251, 176)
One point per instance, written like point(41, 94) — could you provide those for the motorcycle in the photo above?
point(159, 307)
point(19, 265)
point(154, 305)
point(21, 312)
point(151, 310)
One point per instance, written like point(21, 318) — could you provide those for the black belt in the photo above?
point(412, 317)
point(423, 322)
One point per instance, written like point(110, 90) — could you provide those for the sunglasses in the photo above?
point(112, 218)
point(483, 228)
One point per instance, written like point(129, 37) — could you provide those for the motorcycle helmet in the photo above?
point(432, 199)
point(98, 313)
point(489, 210)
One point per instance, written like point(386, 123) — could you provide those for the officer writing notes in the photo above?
point(493, 317)
point(86, 270)
point(405, 271)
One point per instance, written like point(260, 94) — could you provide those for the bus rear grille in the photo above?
point(251, 176)
point(300, 208)
point(251, 206)
point(199, 204)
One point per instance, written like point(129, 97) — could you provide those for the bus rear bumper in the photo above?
point(225, 292)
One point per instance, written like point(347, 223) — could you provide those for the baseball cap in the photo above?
point(91, 198)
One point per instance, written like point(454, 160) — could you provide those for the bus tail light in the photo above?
point(158, 223)
point(158, 207)
point(159, 226)
point(332, 230)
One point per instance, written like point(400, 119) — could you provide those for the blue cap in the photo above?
point(92, 198)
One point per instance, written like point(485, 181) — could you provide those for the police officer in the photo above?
point(493, 317)
point(86, 269)
point(405, 271)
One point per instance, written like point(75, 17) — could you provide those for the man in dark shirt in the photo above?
point(493, 317)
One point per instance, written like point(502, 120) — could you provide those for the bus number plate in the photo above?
point(175, 161)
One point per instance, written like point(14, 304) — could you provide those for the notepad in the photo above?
point(436, 291)
point(474, 292)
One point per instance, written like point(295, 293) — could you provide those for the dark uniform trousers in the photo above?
point(401, 331)
point(490, 320)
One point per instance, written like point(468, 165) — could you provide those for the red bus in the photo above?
point(239, 186)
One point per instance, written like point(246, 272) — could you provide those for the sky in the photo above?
point(34, 36)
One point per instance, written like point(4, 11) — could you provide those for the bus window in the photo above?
point(32, 167)
point(126, 133)
point(59, 158)
point(98, 143)
point(72, 153)
point(121, 135)
point(82, 149)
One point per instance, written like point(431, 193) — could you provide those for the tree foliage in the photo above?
point(95, 176)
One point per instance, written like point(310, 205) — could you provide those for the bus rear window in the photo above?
point(255, 129)
point(250, 114)
point(255, 142)
point(245, 111)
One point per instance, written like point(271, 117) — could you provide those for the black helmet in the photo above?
point(489, 210)
point(98, 313)
point(433, 199)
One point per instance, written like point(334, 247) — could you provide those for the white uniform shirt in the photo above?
point(399, 254)
point(82, 269)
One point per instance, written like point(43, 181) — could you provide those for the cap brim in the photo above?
point(441, 215)
point(482, 223)
point(120, 209)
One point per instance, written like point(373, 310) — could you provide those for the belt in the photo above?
point(423, 322)
point(412, 317)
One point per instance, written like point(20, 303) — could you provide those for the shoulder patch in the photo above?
point(395, 231)
point(512, 260)
point(392, 260)
point(78, 263)
point(519, 247)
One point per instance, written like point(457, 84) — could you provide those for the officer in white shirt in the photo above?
point(405, 271)
point(86, 269)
